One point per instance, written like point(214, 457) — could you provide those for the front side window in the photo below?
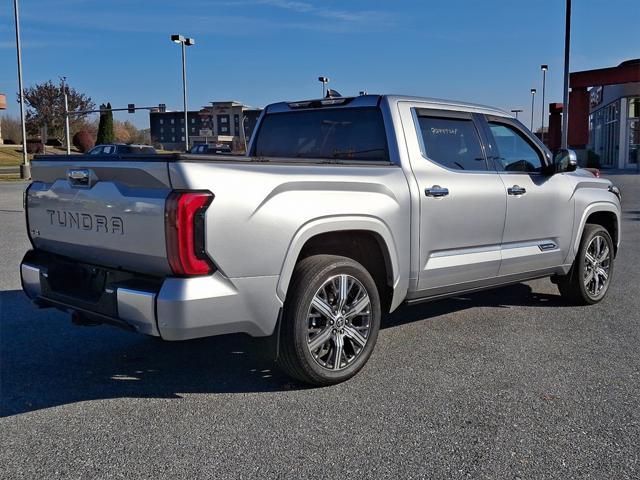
point(515, 154)
point(356, 134)
point(452, 142)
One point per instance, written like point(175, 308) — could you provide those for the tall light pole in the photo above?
point(544, 69)
point(184, 42)
point(565, 97)
point(324, 81)
point(533, 104)
point(517, 111)
point(25, 168)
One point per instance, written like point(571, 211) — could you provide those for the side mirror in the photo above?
point(565, 160)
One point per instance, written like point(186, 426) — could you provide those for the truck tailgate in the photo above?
point(109, 213)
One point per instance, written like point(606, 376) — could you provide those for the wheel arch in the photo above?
point(605, 214)
point(355, 237)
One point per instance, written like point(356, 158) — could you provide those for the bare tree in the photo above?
point(45, 108)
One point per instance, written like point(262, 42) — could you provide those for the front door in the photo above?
point(540, 206)
point(462, 201)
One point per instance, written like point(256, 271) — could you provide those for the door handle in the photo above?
point(436, 191)
point(79, 176)
point(516, 190)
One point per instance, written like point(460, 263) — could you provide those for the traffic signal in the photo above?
point(131, 108)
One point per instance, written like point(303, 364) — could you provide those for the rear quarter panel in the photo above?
point(262, 213)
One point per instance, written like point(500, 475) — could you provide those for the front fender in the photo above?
point(601, 206)
point(341, 223)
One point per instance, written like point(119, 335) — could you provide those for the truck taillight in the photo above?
point(185, 232)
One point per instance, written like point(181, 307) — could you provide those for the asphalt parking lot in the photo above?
point(505, 384)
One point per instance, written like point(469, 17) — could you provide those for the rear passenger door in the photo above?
point(462, 201)
point(540, 210)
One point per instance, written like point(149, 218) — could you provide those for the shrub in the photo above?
point(83, 141)
point(34, 146)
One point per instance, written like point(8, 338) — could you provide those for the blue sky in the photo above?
point(262, 51)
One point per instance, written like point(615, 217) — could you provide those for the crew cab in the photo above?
point(343, 210)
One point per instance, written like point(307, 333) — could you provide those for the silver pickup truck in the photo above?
point(344, 209)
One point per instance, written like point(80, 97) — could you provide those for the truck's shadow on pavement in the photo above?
point(47, 362)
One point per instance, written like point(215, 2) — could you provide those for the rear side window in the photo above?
point(138, 150)
point(332, 133)
point(515, 154)
point(452, 142)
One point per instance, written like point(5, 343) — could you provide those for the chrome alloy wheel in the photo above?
point(597, 265)
point(338, 322)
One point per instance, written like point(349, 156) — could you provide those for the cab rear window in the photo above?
point(356, 134)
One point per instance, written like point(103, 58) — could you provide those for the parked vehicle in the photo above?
point(344, 209)
point(211, 149)
point(115, 149)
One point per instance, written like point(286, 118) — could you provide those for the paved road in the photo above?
point(503, 385)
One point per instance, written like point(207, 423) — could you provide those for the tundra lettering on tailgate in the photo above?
point(86, 221)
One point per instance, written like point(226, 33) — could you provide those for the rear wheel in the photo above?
point(330, 321)
point(588, 280)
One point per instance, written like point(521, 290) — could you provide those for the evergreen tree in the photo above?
point(105, 127)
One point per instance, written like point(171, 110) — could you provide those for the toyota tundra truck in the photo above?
point(342, 210)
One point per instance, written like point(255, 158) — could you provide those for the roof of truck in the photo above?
point(441, 102)
point(374, 100)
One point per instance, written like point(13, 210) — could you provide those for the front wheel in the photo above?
point(588, 280)
point(330, 321)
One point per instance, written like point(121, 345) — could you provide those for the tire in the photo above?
point(574, 287)
point(316, 282)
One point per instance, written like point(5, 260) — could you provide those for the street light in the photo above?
point(517, 111)
point(544, 69)
point(565, 97)
point(184, 42)
point(533, 104)
point(25, 168)
point(324, 81)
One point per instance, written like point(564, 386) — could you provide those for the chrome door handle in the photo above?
point(516, 190)
point(436, 191)
point(79, 176)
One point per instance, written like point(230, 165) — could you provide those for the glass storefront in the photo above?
point(633, 131)
point(604, 134)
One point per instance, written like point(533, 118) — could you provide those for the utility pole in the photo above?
point(565, 97)
point(67, 134)
point(25, 168)
point(324, 81)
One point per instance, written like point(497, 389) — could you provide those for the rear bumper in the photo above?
point(172, 308)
